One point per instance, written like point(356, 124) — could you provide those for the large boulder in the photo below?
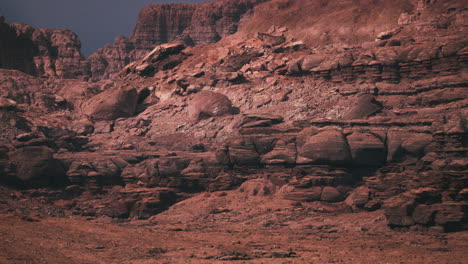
point(312, 61)
point(367, 149)
point(326, 147)
point(363, 106)
point(36, 167)
point(111, 104)
point(207, 104)
point(331, 194)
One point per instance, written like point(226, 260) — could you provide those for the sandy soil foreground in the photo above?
point(80, 240)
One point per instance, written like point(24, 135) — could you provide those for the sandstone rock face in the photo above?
point(111, 104)
point(242, 152)
point(157, 24)
point(41, 52)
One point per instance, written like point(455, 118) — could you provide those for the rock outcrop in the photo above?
point(191, 24)
point(41, 52)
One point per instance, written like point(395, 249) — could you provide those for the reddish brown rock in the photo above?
point(208, 104)
point(331, 194)
point(242, 152)
point(111, 104)
point(258, 187)
point(162, 57)
point(41, 52)
point(36, 167)
point(367, 149)
point(358, 197)
point(363, 107)
point(326, 147)
point(289, 192)
point(282, 153)
point(157, 24)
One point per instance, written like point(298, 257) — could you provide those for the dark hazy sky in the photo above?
point(96, 22)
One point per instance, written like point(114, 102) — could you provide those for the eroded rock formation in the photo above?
point(365, 125)
point(157, 24)
point(41, 52)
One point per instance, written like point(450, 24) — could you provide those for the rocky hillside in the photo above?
point(373, 116)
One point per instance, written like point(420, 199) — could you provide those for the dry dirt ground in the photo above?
point(226, 228)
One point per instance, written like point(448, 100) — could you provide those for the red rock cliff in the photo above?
point(190, 23)
point(41, 52)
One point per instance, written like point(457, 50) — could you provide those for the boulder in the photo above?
point(399, 210)
point(258, 187)
point(366, 149)
point(326, 147)
point(119, 208)
point(312, 61)
point(225, 181)
point(358, 197)
point(294, 67)
point(36, 167)
point(416, 144)
point(424, 214)
point(331, 194)
point(271, 40)
point(362, 107)
point(208, 104)
point(111, 104)
point(261, 119)
point(403, 145)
